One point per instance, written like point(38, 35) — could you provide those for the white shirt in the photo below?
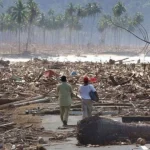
point(84, 91)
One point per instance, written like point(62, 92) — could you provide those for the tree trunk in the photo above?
point(91, 36)
point(101, 131)
point(44, 36)
point(28, 38)
point(70, 37)
point(19, 40)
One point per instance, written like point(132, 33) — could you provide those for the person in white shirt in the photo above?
point(86, 99)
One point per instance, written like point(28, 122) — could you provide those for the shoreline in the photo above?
point(83, 58)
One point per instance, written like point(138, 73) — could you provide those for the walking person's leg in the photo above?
point(89, 108)
point(66, 114)
point(62, 110)
point(84, 109)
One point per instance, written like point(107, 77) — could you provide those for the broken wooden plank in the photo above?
point(129, 119)
point(8, 100)
point(112, 104)
point(7, 125)
point(7, 105)
point(46, 99)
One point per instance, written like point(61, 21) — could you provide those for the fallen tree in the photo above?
point(103, 131)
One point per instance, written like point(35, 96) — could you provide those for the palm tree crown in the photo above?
point(19, 12)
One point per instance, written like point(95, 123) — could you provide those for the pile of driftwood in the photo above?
point(23, 83)
point(121, 87)
point(28, 136)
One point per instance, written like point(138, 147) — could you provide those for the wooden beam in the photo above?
point(128, 119)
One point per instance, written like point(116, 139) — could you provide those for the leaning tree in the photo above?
point(120, 19)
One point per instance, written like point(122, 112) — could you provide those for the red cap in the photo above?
point(86, 79)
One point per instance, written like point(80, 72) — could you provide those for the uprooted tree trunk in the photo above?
point(101, 131)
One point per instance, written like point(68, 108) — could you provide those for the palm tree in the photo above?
point(2, 25)
point(137, 23)
point(55, 24)
point(92, 10)
point(59, 25)
point(50, 25)
point(33, 13)
point(71, 9)
point(1, 3)
point(19, 15)
point(81, 12)
point(42, 24)
point(103, 25)
point(51, 12)
point(70, 17)
point(119, 9)
point(129, 24)
point(6, 24)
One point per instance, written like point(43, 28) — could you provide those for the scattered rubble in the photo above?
point(124, 90)
point(119, 83)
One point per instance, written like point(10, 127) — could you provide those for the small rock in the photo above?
point(8, 146)
point(128, 141)
point(60, 137)
point(78, 144)
point(13, 147)
point(89, 145)
point(1, 145)
point(141, 141)
point(41, 140)
point(40, 148)
point(32, 148)
point(19, 147)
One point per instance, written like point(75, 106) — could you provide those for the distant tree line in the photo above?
point(27, 22)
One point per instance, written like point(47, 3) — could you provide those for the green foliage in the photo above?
point(104, 23)
point(33, 11)
point(81, 12)
point(120, 18)
point(19, 12)
point(73, 15)
point(51, 12)
point(1, 3)
point(26, 13)
point(6, 22)
point(119, 9)
point(92, 9)
point(138, 18)
point(70, 10)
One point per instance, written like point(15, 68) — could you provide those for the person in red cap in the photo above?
point(84, 91)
